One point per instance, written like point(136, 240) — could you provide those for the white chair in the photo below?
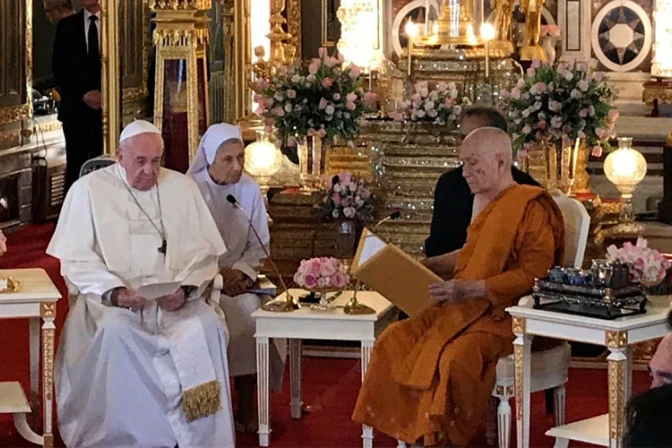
point(549, 367)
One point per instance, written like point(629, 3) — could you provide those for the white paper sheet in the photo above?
point(155, 290)
point(372, 244)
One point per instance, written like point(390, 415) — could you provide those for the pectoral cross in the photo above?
point(164, 247)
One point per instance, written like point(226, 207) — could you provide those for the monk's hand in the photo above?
point(125, 298)
point(3, 244)
point(456, 290)
point(235, 282)
point(173, 302)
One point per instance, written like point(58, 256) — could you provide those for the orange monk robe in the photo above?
point(431, 376)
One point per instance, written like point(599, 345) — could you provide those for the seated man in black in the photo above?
point(453, 201)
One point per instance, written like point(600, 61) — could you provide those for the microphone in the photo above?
point(391, 217)
point(289, 304)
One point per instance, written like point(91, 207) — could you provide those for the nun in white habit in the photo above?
point(218, 172)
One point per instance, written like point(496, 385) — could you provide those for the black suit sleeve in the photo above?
point(69, 69)
point(451, 215)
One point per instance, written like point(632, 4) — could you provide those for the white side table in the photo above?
point(617, 335)
point(35, 300)
point(308, 324)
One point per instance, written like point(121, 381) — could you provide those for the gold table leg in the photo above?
point(619, 363)
point(522, 352)
point(48, 312)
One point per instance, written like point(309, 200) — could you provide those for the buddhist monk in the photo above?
point(431, 376)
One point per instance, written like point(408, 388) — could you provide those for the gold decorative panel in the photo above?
point(15, 59)
point(133, 45)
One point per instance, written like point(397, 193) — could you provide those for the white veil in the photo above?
point(213, 137)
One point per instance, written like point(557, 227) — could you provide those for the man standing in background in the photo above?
point(57, 10)
point(76, 66)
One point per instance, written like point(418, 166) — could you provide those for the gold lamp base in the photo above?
point(354, 308)
point(532, 52)
point(287, 305)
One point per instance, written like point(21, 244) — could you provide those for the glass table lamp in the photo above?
point(262, 160)
point(625, 168)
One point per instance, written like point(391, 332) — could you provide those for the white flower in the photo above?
point(576, 94)
point(337, 96)
point(330, 109)
point(296, 79)
point(554, 106)
point(288, 108)
point(421, 113)
point(311, 78)
point(430, 105)
point(583, 85)
point(556, 122)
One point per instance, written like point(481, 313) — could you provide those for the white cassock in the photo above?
point(245, 254)
point(126, 380)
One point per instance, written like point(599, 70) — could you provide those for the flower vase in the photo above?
point(558, 165)
point(346, 232)
point(312, 159)
point(548, 44)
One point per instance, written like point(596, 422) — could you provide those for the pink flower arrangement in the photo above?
point(437, 106)
point(558, 104)
point(322, 97)
point(347, 198)
point(647, 266)
point(550, 30)
point(321, 272)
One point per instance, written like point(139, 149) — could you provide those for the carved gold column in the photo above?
point(242, 59)
point(181, 98)
point(109, 64)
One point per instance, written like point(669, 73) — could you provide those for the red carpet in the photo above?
point(330, 385)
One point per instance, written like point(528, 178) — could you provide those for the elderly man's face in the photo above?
point(229, 161)
point(481, 169)
point(140, 156)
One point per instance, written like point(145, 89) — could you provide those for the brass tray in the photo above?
point(12, 286)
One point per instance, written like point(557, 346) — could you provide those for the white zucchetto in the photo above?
point(138, 127)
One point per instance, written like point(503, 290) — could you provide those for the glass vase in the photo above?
point(312, 159)
point(346, 230)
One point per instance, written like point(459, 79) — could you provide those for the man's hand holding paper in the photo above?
point(125, 298)
point(172, 302)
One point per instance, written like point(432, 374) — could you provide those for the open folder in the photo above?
point(391, 272)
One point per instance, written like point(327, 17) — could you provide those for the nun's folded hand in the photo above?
point(456, 290)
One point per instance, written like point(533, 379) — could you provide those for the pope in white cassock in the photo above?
point(132, 372)
point(218, 171)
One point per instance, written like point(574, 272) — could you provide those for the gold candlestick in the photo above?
point(411, 32)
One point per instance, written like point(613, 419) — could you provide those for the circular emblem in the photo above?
point(621, 35)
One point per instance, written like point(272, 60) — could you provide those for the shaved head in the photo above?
point(487, 156)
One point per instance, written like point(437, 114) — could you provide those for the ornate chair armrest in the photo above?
point(216, 290)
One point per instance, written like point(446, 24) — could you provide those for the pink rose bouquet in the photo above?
point(317, 273)
point(437, 106)
point(347, 197)
point(647, 266)
point(322, 97)
point(552, 103)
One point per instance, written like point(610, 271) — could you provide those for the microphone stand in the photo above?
point(288, 303)
point(354, 307)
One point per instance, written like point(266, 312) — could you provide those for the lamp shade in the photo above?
point(262, 158)
point(625, 167)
